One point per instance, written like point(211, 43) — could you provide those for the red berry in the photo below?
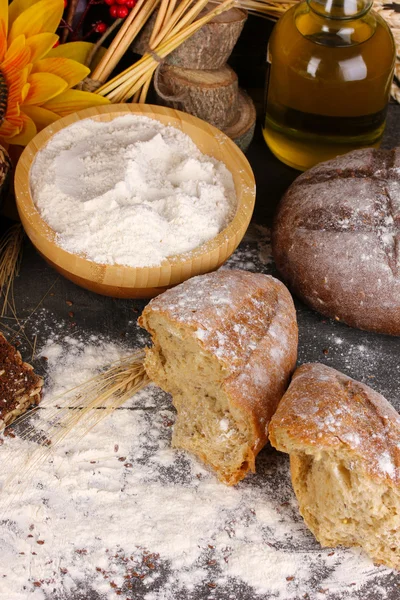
point(130, 3)
point(100, 27)
point(122, 12)
point(109, 2)
point(121, 1)
point(114, 11)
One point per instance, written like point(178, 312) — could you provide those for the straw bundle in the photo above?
point(271, 9)
point(174, 24)
point(123, 40)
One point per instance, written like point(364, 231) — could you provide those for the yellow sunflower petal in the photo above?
point(8, 129)
point(4, 14)
point(27, 132)
point(75, 50)
point(15, 88)
point(42, 17)
point(15, 47)
point(17, 56)
point(40, 44)
point(17, 7)
point(44, 86)
point(24, 92)
point(78, 51)
point(74, 100)
point(3, 40)
point(40, 116)
point(70, 70)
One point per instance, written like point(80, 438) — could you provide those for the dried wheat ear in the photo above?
point(224, 346)
point(343, 439)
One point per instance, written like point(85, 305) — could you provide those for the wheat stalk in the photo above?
point(76, 411)
point(173, 28)
point(86, 404)
point(124, 38)
point(10, 261)
point(271, 9)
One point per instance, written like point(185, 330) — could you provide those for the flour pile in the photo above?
point(119, 514)
point(130, 191)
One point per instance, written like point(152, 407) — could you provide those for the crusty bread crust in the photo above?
point(324, 409)
point(343, 439)
point(247, 322)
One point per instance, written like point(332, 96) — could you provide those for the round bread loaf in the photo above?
point(336, 239)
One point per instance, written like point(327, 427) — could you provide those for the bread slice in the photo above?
point(224, 346)
point(344, 444)
point(20, 387)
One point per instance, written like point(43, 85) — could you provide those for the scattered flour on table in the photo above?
point(131, 191)
point(364, 357)
point(119, 514)
point(254, 253)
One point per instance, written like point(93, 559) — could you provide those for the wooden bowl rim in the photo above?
point(168, 116)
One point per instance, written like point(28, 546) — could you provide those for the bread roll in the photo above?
point(336, 239)
point(344, 444)
point(224, 346)
point(20, 387)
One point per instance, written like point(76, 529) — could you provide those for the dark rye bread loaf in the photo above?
point(336, 239)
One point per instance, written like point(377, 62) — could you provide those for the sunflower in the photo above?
point(35, 77)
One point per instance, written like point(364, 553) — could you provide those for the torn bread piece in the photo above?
point(224, 346)
point(343, 439)
point(20, 387)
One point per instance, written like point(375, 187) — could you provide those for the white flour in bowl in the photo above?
point(131, 191)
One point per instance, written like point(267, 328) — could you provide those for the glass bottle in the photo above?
point(330, 69)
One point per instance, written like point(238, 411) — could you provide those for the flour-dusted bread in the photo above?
point(224, 346)
point(344, 444)
point(20, 387)
point(336, 239)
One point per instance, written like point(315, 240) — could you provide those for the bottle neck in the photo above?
point(340, 9)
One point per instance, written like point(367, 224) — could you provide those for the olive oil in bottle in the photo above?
point(330, 69)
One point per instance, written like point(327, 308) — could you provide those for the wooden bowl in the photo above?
point(144, 282)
